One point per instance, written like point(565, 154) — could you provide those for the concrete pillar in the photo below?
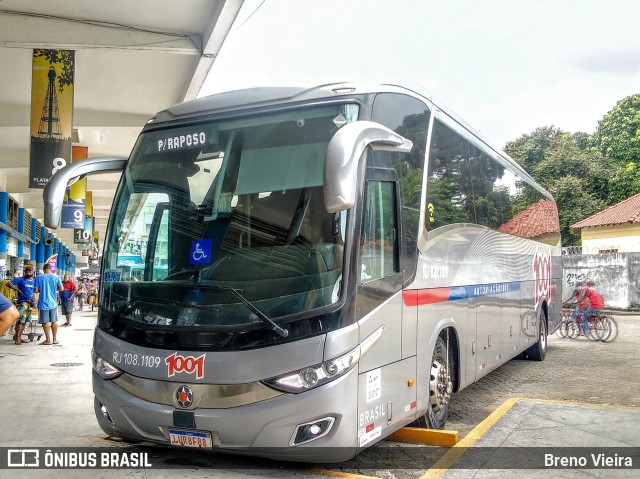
point(21, 244)
point(34, 236)
point(56, 250)
point(40, 251)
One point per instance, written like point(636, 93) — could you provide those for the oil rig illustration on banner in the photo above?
point(49, 149)
point(50, 118)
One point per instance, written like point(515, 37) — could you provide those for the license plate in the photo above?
point(190, 438)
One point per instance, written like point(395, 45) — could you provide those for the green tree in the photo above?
point(574, 204)
point(529, 149)
point(624, 183)
point(618, 133)
point(576, 176)
point(66, 58)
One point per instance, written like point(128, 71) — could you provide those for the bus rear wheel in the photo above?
point(440, 388)
point(538, 351)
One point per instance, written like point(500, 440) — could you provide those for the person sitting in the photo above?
point(8, 314)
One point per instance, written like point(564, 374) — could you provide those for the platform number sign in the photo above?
point(81, 236)
point(72, 216)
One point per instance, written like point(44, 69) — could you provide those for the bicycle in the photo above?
point(572, 329)
point(565, 330)
point(602, 327)
point(608, 327)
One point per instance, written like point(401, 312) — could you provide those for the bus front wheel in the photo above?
point(440, 388)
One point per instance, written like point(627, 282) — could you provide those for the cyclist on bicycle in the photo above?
point(25, 300)
point(583, 304)
point(596, 301)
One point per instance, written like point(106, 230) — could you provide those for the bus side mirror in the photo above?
point(53, 193)
point(343, 158)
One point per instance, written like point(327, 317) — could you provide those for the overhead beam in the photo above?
point(29, 30)
point(214, 35)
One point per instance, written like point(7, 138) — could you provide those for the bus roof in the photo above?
point(244, 100)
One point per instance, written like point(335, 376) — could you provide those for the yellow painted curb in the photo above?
point(453, 454)
point(431, 437)
point(340, 474)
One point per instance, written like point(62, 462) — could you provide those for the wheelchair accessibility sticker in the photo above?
point(200, 251)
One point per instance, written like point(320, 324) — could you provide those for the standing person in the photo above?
point(25, 285)
point(81, 293)
point(67, 298)
point(48, 284)
point(92, 292)
point(8, 314)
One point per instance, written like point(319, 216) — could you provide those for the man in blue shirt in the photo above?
point(48, 285)
point(25, 285)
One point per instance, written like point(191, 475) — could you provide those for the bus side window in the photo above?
point(379, 248)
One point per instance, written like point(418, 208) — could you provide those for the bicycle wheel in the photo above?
point(611, 330)
point(596, 329)
point(563, 330)
point(591, 334)
point(573, 330)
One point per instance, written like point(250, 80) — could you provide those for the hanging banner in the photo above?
point(52, 261)
point(51, 113)
point(88, 206)
point(73, 207)
point(88, 226)
point(81, 236)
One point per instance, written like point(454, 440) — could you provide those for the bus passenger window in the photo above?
point(379, 248)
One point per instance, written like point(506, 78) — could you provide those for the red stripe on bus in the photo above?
point(417, 297)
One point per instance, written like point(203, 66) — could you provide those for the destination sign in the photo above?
point(177, 142)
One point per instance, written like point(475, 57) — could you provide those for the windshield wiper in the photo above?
point(121, 310)
point(253, 308)
point(263, 317)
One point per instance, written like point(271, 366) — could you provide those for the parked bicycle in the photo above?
point(602, 327)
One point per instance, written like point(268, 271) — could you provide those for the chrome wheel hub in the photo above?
point(440, 386)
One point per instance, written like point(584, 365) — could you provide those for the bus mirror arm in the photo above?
point(343, 157)
point(54, 191)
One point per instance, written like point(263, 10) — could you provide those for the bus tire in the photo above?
point(538, 351)
point(440, 388)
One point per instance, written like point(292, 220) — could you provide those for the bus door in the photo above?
point(383, 396)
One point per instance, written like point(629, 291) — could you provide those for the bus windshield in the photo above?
point(222, 223)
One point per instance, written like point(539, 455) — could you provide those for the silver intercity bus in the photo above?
point(297, 273)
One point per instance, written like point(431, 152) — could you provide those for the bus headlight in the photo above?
point(314, 376)
point(104, 368)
